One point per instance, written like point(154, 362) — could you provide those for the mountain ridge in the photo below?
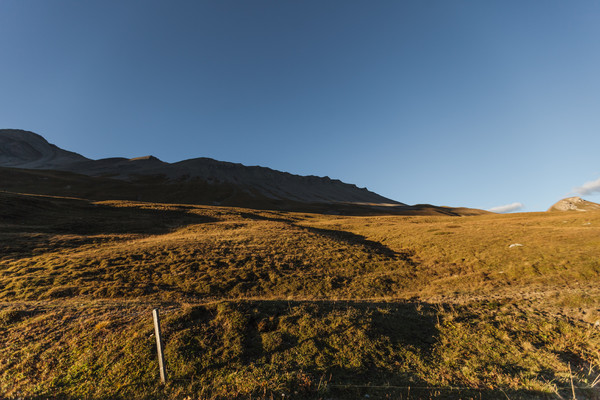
point(29, 150)
point(52, 171)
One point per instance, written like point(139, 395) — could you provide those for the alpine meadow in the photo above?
point(283, 304)
point(299, 200)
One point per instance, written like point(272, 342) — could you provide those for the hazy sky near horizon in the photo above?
point(460, 103)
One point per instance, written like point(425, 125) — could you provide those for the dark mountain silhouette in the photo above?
point(27, 150)
point(29, 164)
point(24, 149)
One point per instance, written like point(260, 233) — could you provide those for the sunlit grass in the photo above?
point(264, 303)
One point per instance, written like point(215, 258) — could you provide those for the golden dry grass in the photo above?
point(264, 303)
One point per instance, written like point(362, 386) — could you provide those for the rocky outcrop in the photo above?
point(574, 204)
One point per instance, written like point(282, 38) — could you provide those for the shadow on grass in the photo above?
point(66, 215)
point(346, 237)
point(259, 217)
point(172, 391)
point(299, 350)
point(32, 222)
point(345, 350)
point(354, 239)
point(416, 392)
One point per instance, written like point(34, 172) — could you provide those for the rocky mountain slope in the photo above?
point(23, 149)
point(27, 150)
point(29, 164)
point(574, 204)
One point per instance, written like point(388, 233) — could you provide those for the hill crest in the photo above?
point(574, 204)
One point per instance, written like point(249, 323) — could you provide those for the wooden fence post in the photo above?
point(159, 347)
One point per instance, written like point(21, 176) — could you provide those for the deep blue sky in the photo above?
point(460, 103)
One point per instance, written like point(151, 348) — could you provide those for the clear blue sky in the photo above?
point(459, 103)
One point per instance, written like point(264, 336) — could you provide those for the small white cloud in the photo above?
point(507, 208)
point(588, 188)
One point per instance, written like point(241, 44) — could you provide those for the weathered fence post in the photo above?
point(159, 347)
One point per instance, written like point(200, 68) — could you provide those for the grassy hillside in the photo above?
point(274, 304)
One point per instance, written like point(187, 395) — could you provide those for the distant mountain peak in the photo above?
point(145, 158)
point(25, 149)
point(21, 134)
point(575, 203)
